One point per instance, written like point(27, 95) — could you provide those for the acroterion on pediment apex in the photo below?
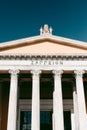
point(45, 30)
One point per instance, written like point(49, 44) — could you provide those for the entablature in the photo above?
point(66, 62)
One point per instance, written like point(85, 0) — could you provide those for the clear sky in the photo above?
point(23, 18)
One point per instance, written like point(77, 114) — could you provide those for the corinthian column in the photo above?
point(12, 109)
point(58, 101)
point(81, 101)
point(75, 105)
point(35, 100)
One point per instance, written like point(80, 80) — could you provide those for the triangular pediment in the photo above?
point(43, 45)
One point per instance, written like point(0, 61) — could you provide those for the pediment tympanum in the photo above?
point(43, 45)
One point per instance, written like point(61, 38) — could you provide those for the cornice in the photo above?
point(41, 38)
point(43, 56)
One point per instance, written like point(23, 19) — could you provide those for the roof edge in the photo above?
point(62, 40)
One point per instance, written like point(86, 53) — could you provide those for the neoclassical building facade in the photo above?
point(43, 83)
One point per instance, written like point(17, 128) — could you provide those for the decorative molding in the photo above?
point(43, 56)
point(43, 61)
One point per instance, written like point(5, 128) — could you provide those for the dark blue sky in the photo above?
point(23, 18)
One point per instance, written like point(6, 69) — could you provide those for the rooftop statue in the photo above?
point(45, 30)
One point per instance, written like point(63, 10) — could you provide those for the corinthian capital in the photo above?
point(58, 72)
point(79, 73)
point(36, 72)
point(14, 72)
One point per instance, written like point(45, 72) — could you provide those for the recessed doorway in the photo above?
point(45, 120)
point(67, 120)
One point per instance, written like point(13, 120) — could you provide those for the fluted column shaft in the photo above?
point(35, 100)
point(81, 101)
point(75, 103)
point(58, 101)
point(12, 109)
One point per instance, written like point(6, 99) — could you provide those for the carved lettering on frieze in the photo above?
point(46, 62)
